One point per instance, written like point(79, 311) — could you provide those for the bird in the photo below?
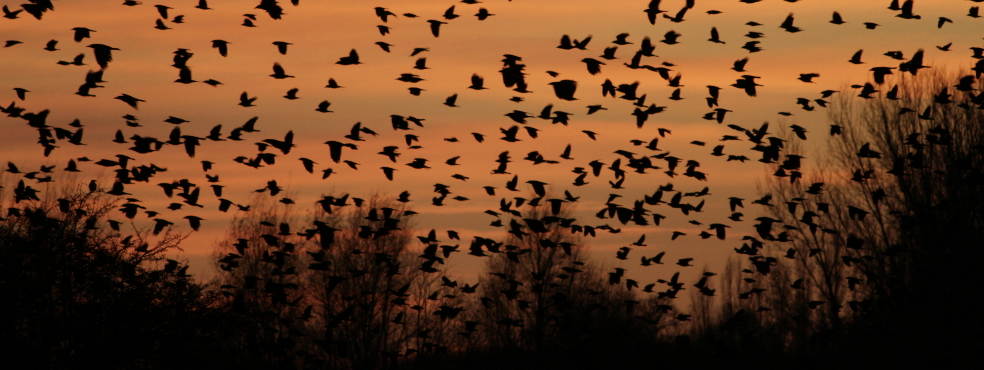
point(21, 92)
point(129, 100)
point(565, 89)
point(103, 54)
point(162, 10)
point(435, 27)
point(808, 77)
point(159, 24)
point(670, 38)
point(81, 33)
point(282, 46)
point(906, 11)
point(10, 14)
point(222, 46)
point(787, 24)
point(351, 59)
point(477, 82)
point(194, 221)
point(856, 58)
point(594, 65)
point(383, 13)
point(291, 94)
point(942, 21)
point(449, 13)
point(451, 100)
point(245, 100)
point(278, 72)
point(483, 14)
point(679, 15)
point(715, 38)
point(595, 108)
point(184, 76)
point(388, 172)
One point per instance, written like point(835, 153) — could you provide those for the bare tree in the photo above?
point(882, 220)
point(541, 293)
point(82, 290)
point(337, 288)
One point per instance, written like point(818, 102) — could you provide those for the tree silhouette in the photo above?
point(79, 294)
point(338, 288)
point(881, 229)
point(541, 294)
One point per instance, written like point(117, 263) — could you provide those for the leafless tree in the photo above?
point(882, 217)
point(541, 293)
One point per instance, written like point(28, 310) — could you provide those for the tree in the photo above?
point(337, 288)
point(541, 294)
point(884, 227)
point(260, 273)
point(79, 294)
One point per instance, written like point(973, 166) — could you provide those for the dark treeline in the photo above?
point(868, 259)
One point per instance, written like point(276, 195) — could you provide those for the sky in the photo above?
point(321, 32)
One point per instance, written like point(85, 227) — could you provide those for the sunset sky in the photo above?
point(321, 32)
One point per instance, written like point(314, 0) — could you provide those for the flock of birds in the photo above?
point(644, 157)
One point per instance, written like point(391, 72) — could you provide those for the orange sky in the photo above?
point(323, 31)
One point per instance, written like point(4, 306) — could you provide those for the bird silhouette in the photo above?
point(245, 100)
point(715, 37)
point(787, 24)
point(477, 82)
point(483, 14)
point(278, 72)
point(103, 54)
point(159, 24)
point(906, 11)
point(594, 65)
point(282, 46)
point(435, 27)
point(129, 100)
point(451, 100)
point(81, 33)
point(565, 89)
point(7, 13)
point(351, 59)
point(222, 46)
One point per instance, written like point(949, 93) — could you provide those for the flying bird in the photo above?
point(222, 45)
point(103, 54)
point(129, 100)
point(565, 89)
point(81, 33)
point(282, 46)
point(278, 72)
point(435, 27)
point(245, 100)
